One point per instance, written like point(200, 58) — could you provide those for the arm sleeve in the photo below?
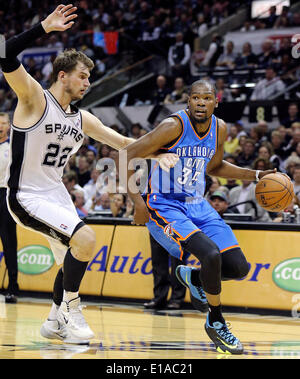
point(15, 45)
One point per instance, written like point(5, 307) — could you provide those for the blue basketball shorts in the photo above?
point(173, 221)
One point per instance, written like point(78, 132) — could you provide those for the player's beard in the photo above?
point(74, 96)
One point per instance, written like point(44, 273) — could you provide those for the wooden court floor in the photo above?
point(130, 332)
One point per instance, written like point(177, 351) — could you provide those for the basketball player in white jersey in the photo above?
point(46, 130)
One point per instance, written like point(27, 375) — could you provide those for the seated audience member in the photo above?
point(118, 204)
point(293, 116)
point(296, 180)
point(101, 202)
point(79, 202)
point(245, 194)
point(219, 202)
point(268, 87)
point(83, 173)
point(227, 58)
point(160, 91)
point(232, 142)
point(223, 94)
point(247, 59)
point(90, 188)
point(180, 93)
point(71, 182)
point(247, 155)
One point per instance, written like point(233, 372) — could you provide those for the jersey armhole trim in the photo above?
point(30, 128)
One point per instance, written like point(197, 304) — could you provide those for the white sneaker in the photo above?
point(69, 315)
point(52, 329)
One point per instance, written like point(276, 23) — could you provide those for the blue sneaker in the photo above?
point(224, 340)
point(198, 298)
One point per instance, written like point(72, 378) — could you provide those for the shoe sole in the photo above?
point(51, 336)
point(220, 347)
point(197, 304)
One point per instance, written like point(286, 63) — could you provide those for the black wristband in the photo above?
point(9, 64)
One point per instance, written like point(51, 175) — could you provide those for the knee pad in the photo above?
point(234, 264)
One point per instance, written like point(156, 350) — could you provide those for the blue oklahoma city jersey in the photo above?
point(175, 200)
point(187, 178)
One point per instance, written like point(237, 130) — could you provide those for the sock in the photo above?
point(53, 312)
point(73, 273)
point(68, 296)
point(215, 314)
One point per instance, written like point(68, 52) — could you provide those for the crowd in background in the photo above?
point(177, 25)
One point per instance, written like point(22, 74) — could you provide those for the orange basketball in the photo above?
point(274, 192)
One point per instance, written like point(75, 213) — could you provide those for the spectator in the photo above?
point(70, 181)
point(135, 130)
point(268, 55)
point(247, 155)
point(83, 173)
point(266, 152)
point(268, 87)
point(229, 183)
point(261, 164)
point(227, 59)
point(180, 93)
point(223, 93)
point(161, 90)
point(247, 58)
point(196, 62)
point(79, 203)
point(91, 156)
point(179, 56)
point(291, 147)
point(232, 142)
point(5, 103)
point(293, 116)
point(219, 202)
point(290, 165)
point(215, 49)
point(271, 19)
point(79, 212)
point(90, 188)
point(118, 204)
point(101, 202)
point(214, 185)
point(278, 144)
point(246, 194)
point(296, 180)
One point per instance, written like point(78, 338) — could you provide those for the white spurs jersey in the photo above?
point(38, 154)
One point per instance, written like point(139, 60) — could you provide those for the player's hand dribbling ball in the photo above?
point(274, 192)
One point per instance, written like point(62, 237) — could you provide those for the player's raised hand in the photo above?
point(60, 19)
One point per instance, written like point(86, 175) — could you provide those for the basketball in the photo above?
point(274, 192)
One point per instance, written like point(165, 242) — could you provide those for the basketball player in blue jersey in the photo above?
point(47, 129)
point(178, 216)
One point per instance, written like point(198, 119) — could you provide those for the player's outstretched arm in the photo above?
point(94, 128)
point(220, 168)
point(25, 87)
